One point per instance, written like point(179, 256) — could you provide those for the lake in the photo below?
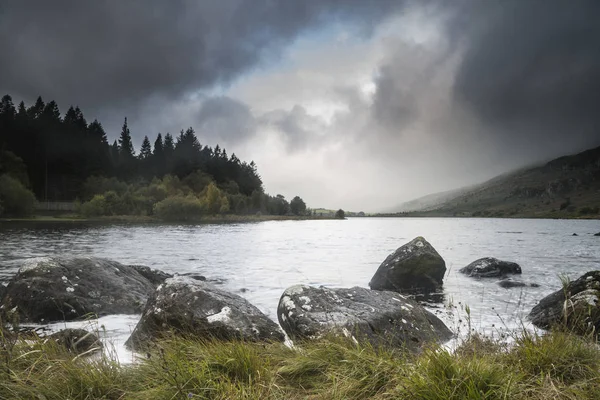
point(259, 260)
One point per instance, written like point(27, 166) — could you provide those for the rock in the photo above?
point(379, 317)
point(575, 307)
point(77, 340)
point(187, 306)
point(597, 234)
point(416, 265)
point(155, 276)
point(63, 289)
point(509, 283)
point(574, 234)
point(490, 267)
point(193, 275)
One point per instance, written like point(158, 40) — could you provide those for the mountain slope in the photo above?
point(568, 186)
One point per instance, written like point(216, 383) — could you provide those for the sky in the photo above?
point(350, 104)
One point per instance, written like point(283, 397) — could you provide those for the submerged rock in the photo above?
point(379, 317)
point(77, 340)
point(489, 267)
point(186, 306)
point(575, 307)
point(63, 289)
point(416, 265)
point(509, 283)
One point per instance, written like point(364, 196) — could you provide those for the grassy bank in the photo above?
point(554, 366)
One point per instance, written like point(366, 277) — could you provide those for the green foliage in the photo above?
point(277, 205)
point(340, 214)
point(15, 199)
point(179, 208)
point(61, 154)
point(96, 207)
point(215, 201)
point(14, 166)
point(297, 206)
point(98, 184)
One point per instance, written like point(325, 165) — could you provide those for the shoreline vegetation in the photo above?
point(55, 162)
point(556, 365)
point(139, 219)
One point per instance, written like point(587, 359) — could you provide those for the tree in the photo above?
point(15, 198)
point(126, 151)
point(7, 108)
point(145, 150)
point(98, 134)
point(340, 214)
point(297, 206)
point(35, 111)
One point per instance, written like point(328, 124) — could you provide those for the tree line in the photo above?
point(67, 158)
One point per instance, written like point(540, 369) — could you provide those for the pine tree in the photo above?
point(70, 117)
point(79, 119)
point(114, 153)
point(22, 111)
point(51, 112)
point(7, 108)
point(145, 150)
point(97, 132)
point(126, 151)
point(169, 145)
point(37, 109)
point(158, 146)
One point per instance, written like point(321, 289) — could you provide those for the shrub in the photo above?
point(179, 208)
point(96, 207)
point(98, 184)
point(15, 198)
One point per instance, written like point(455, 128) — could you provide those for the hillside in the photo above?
point(566, 187)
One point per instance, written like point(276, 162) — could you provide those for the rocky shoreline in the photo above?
point(55, 289)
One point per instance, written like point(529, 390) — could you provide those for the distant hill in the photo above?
point(568, 186)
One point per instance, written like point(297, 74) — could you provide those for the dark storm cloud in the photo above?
point(531, 69)
point(100, 54)
point(225, 120)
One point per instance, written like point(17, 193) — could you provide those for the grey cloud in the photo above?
point(531, 71)
point(225, 120)
point(100, 54)
point(297, 128)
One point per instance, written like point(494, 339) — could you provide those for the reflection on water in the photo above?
point(259, 260)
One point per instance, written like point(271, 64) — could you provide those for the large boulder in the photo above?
point(416, 265)
point(575, 307)
point(490, 267)
point(186, 306)
point(63, 289)
point(378, 317)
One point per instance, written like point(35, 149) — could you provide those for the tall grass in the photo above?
point(557, 365)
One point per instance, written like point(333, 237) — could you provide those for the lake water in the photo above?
point(259, 260)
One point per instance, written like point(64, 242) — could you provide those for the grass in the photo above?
point(557, 365)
